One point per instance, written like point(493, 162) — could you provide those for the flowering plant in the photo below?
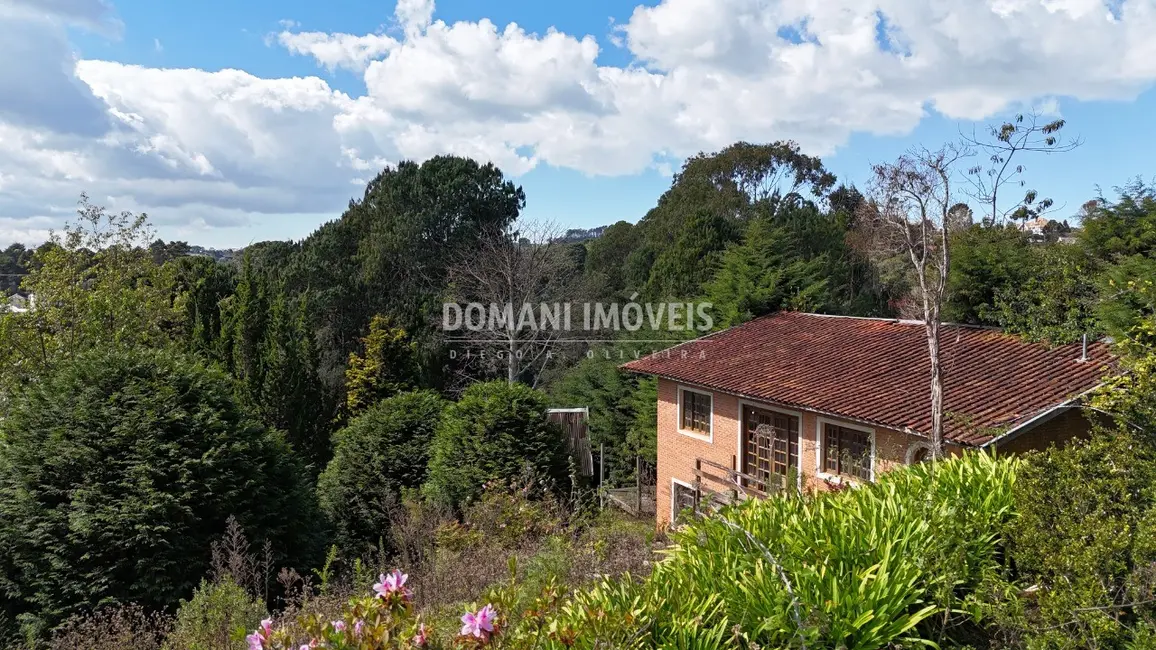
point(385, 621)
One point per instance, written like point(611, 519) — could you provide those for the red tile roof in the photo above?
point(877, 371)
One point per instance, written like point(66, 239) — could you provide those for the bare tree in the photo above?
point(523, 278)
point(912, 208)
point(1026, 133)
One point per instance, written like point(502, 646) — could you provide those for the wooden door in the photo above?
point(770, 445)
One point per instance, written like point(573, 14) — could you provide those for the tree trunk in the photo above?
point(936, 387)
point(511, 362)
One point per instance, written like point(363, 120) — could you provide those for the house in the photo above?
point(18, 304)
point(825, 400)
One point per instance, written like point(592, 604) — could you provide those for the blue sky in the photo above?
point(234, 122)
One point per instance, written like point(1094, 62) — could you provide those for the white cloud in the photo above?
point(704, 73)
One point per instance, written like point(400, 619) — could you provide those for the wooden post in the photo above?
point(602, 476)
point(638, 486)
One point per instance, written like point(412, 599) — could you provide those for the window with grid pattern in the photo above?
point(696, 412)
point(846, 452)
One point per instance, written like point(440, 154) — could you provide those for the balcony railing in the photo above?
point(716, 485)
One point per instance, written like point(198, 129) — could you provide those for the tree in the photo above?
point(385, 368)
point(1127, 226)
point(117, 471)
point(985, 261)
point(1056, 299)
point(1026, 133)
point(381, 452)
point(524, 275)
point(96, 286)
point(606, 258)
point(911, 203)
point(709, 204)
point(497, 431)
point(681, 269)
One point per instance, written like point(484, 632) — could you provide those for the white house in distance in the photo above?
point(18, 304)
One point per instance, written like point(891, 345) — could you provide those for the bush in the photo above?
point(496, 432)
point(218, 617)
point(118, 469)
point(113, 628)
point(862, 569)
point(1086, 540)
point(380, 453)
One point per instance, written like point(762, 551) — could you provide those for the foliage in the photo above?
point(776, 573)
point(386, 367)
point(797, 259)
point(622, 409)
point(1085, 538)
point(713, 197)
point(202, 285)
point(113, 628)
point(986, 260)
point(1057, 299)
point(606, 257)
point(495, 432)
point(267, 344)
point(119, 468)
point(218, 617)
point(380, 453)
point(1124, 227)
point(96, 286)
point(14, 263)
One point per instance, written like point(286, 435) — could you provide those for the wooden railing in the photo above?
point(716, 483)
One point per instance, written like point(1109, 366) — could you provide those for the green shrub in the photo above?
point(381, 452)
point(1085, 539)
point(218, 617)
point(118, 469)
point(496, 432)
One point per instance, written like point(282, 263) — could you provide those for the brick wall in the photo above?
point(1056, 431)
point(677, 451)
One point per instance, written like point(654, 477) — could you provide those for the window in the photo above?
point(846, 452)
point(682, 497)
point(695, 412)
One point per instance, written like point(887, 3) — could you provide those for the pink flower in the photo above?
point(422, 637)
point(394, 583)
point(481, 624)
point(339, 626)
point(258, 639)
point(358, 627)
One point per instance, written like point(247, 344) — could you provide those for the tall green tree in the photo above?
point(708, 205)
point(96, 286)
point(1124, 227)
point(387, 366)
point(499, 432)
point(986, 260)
point(381, 452)
point(118, 469)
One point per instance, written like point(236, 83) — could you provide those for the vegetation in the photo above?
point(118, 469)
point(154, 395)
point(382, 452)
point(496, 432)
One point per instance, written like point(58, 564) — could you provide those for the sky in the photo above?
point(234, 122)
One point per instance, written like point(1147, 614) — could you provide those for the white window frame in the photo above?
point(820, 452)
point(708, 437)
point(762, 406)
point(674, 482)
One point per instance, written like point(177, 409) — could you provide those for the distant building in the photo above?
point(18, 304)
point(1035, 227)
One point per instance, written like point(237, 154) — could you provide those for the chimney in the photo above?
point(1084, 351)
